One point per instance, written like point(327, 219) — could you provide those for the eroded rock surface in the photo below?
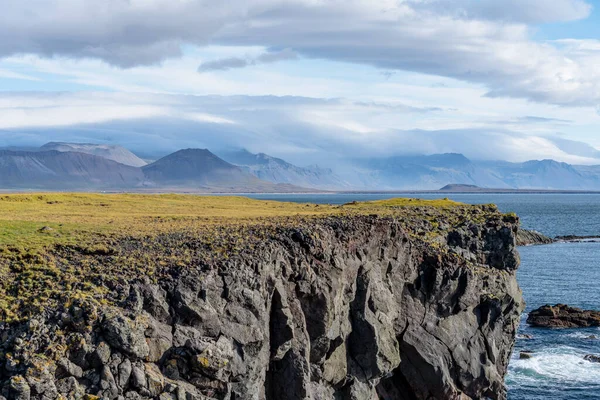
point(563, 316)
point(339, 308)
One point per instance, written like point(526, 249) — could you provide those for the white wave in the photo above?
point(558, 364)
point(582, 335)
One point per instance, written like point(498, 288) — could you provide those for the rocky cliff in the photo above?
point(416, 305)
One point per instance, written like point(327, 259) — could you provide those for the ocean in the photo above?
point(558, 273)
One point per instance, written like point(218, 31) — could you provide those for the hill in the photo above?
point(201, 169)
point(111, 152)
point(453, 187)
point(64, 170)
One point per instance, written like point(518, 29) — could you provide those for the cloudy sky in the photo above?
point(307, 80)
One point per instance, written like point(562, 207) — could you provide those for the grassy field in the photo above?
point(59, 248)
point(30, 221)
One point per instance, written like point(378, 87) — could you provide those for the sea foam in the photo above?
point(561, 364)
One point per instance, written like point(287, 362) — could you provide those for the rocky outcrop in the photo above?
point(359, 307)
point(563, 316)
point(578, 239)
point(592, 358)
point(530, 238)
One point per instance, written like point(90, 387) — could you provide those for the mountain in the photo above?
point(199, 168)
point(73, 166)
point(428, 172)
point(276, 170)
point(543, 174)
point(51, 170)
point(111, 152)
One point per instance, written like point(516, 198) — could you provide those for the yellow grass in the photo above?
point(39, 272)
point(33, 220)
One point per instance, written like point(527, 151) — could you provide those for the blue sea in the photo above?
point(557, 273)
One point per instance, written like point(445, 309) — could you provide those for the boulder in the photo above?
point(524, 355)
point(126, 335)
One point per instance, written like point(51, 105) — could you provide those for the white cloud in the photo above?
point(303, 130)
point(486, 42)
point(224, 64)
point(16, 75)
point(47, 110)
point(526, 11)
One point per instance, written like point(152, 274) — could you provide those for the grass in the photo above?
point(33, 221)
point(56, 249)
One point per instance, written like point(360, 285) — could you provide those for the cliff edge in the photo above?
point(394, 301)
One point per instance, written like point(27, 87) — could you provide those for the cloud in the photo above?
point(224, 64)
point(486, 42)
point(302, 130)
point(523, 11)
point(535, 120)
point(16, 75)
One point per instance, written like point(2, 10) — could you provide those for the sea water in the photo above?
point(550, 274)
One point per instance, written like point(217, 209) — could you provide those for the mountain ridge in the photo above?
point(277, 170)
point(112, 152)
point(59, 165)
point(64, 170)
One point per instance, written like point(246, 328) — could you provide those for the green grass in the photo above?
point(59, 248)
point(37, 220)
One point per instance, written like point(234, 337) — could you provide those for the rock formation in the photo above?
point(578, 239)
point(342, 307)
point(530, 238)
point(563, 316)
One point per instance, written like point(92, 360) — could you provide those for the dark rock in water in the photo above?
point(524, 336)
point(338, 308)
point(524, 355)
point(573, 238)
point(592, 358)
point(530, 238)
point(563, 316)
point(592, 337)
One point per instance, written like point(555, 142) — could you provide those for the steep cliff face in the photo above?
point(360, 307)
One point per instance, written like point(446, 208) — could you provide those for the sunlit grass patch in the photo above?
point(56, 248)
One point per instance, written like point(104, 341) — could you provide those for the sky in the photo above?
point(312, 81)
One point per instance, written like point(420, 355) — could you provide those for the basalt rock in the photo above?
point(530, 238)
point(359, 307)
point(578, 239)
point(563, 316)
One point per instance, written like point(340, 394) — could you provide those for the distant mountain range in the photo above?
point(435, 171)
point(276, 170)
point(68, 166)
point(49, 170)
point(75, 166)
point(111, 152)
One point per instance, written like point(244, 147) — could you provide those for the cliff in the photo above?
point(389, 301)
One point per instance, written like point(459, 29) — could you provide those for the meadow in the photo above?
point(60, 248)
